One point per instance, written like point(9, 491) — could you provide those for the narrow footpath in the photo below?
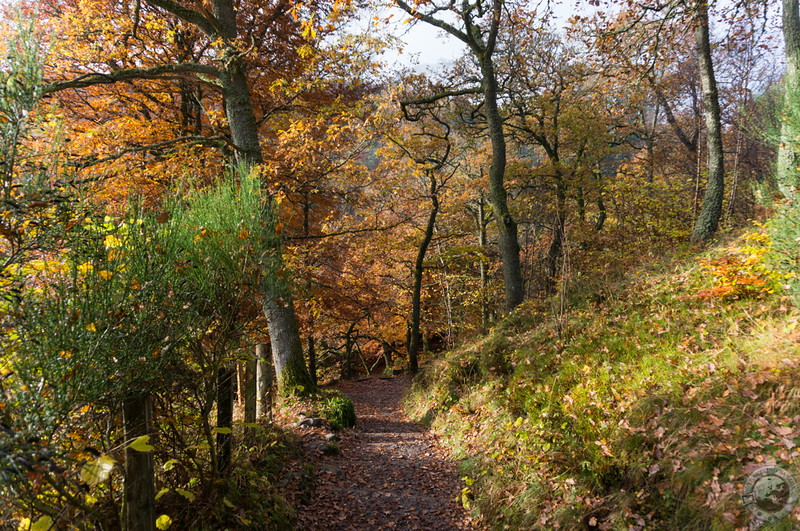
point(390, 472)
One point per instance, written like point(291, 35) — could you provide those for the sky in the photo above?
point(428, 47)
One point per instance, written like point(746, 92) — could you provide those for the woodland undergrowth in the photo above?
point(645, 410)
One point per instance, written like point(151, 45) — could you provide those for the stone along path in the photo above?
point(390, 472)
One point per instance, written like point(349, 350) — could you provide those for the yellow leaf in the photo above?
point(44, 523)
point(105, 275)
point(97, 471)
point(189, 495)
point(91, 327)
point(228, 504)
point(112, 241)
point(161, 493)
point(140, 444)
point(223, 431)
point(163, 522)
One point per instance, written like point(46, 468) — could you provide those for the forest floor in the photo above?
point(390, 472)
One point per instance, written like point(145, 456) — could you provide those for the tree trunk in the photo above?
point(482, 264)
point(312, 360)
point(347, 362)
point(711, 211)
point(788, 160)
point(507, 226)
point(557, 244)
point(240, 383)
point(287, 349)
point(250, 397)
point(601, 205)
point(416, 292)
point(224, 419)
point(264, 377)
point(139, 488)
point(386, 350)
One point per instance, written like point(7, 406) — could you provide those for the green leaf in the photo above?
point(140, 444)
point(163, 522)
point(250, 425)
point(161, 493)
point(97, 471)
point(223, 431)
point(228, 503)
point(189, 495)
point(169, 465)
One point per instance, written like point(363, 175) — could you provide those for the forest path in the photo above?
point(390, 472)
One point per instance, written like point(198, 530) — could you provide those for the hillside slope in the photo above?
point(648, 410)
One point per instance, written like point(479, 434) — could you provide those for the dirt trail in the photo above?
point(389, 474)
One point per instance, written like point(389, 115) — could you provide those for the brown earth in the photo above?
point(390, 472)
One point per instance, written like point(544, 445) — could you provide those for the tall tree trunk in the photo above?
point(416, 292)
point(507, 226)
point(711, 211)
point(788, 159)
point(557, 243)
point(481, 222)
point(264, 377)
point(601, 205)
point(347, 363)
point(250, 399)
point(312, 359)
point(139, 489)
point(481, 40)
point(224, 419)
point(287, 349)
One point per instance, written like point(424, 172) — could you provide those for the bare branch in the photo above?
point(433, 98)
point(195, 139)
point(156, 72)
point(427, 18)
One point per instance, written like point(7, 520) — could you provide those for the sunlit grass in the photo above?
point(649, 410)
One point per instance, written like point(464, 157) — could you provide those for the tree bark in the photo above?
point(312, 360)
point(482, 269)
point(557, 244)
point(139, 488)
point(416, 291)
point(224, 419)
point(347, 362)
point(788, 159)
point(711, 210)
point(250, 397)
point(481, 41)
point(264, 377)
point(287, 350)
point(507, 226)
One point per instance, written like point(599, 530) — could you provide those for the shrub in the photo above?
point(338, 410)
point(743, 273)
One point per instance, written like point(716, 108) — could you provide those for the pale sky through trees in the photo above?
point(431, 47)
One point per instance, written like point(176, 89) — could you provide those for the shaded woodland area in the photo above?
point(199, 195)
